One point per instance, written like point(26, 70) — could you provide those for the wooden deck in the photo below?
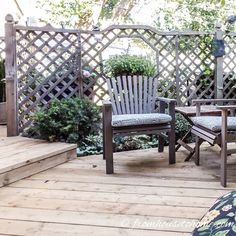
point(22, 157)
point(146, 196)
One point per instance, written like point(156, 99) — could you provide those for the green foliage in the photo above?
point(107, 10)
point(197, 15)
point(129, 65)
point(92, 145)
point(70, 120)
point(71, 13)
point(135, 142)
point(84, 13)
point(181, 126)
point(2, 81)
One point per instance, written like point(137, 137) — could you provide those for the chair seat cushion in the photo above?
point(214, 122)
point(140, 119)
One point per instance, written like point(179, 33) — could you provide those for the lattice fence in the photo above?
point(47, 62)
point(181, 61)
point(2, 48)
point(50, 64)
point(229, 66)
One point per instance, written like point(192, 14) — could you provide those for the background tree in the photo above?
point(197, 15)
point(85, 13)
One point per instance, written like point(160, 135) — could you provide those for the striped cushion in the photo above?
point(214, 122)
point(140, 119)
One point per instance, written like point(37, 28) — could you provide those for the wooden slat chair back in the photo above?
point(131, 111)
point(132, 94)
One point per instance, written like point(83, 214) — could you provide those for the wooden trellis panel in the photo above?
point(47, 68)
point(50, 62)
point(181, 60)
point(2, 48)
point(194, 62)
point(229, 66)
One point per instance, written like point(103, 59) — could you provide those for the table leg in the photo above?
point(183, 139)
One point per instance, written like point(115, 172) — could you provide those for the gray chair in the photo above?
point(218, 130)
point(131, 111)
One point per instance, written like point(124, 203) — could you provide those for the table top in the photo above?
point(191, 110)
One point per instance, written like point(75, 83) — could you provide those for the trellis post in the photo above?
point(219, 65)
point(10, 73)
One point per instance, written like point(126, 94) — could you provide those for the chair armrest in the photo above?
point(166, 100)
point(106, 103)
point(106, 113)
point(203, 101)
point(227, 107)
point(170, 104)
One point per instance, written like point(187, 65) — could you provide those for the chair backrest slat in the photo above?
point(145, 94)
point(111, 94)
point(150, 94)
point(154, 93)
point(132, 94)
point(135, 94)
point(140, 85)
point(121, 94)
point(117, 100)
point(124, 80)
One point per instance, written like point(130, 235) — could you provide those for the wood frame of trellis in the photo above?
point(31, 81)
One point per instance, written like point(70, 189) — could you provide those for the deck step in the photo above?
point(22, 157)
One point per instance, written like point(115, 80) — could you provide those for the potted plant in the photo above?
point(119, 65)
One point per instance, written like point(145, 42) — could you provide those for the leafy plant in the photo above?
point(70, 120)
point(181, 127)
point(128, 65)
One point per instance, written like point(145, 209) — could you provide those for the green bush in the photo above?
point(129, 65)
point(181, 127)
point(69, 120)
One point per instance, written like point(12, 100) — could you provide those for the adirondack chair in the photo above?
point(131, 111)
point(218, 130)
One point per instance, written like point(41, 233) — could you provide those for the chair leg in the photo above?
point(172, 146)
point(107, 138)
point(103, 139)
point(223, 165)
point(197, 151)
point(161, 142)
point(108, 149)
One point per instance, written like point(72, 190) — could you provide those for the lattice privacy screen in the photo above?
point(229, 66)
point(50, 63)
point(2, 48)
point(181, 61)
point(47, 68)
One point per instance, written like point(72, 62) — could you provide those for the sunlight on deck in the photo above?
point(146, 196)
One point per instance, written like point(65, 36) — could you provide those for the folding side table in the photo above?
point(188, 112)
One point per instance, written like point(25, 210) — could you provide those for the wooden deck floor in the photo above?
point(21, 157)
point(146, 196)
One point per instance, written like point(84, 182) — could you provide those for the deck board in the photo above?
point(145, 196)
point(21, 157)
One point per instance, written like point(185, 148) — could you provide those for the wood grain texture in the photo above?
point(21, 157)
point(147, 197)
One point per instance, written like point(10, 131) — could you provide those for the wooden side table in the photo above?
point(188, 112)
